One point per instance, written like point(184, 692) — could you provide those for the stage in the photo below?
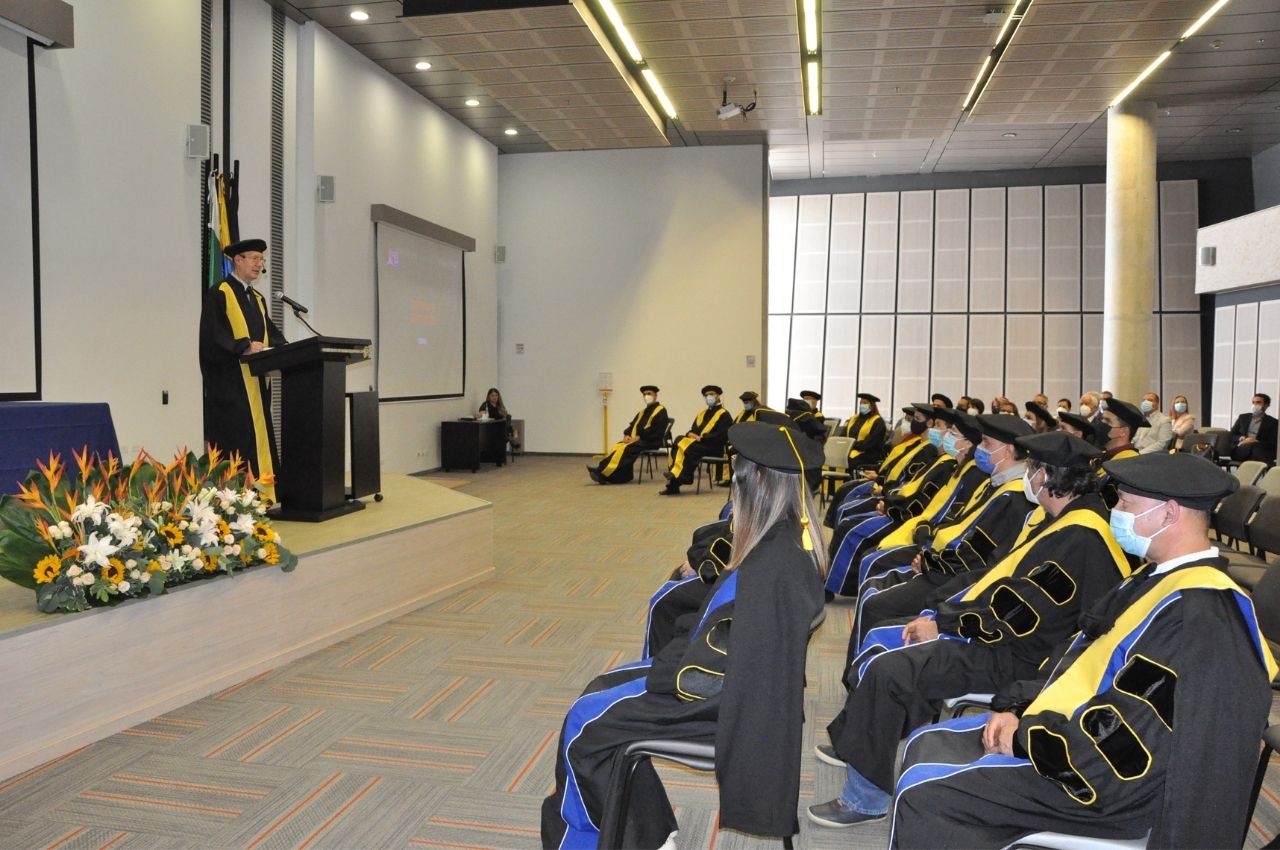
point(71, 679)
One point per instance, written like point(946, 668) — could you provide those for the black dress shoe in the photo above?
point(595, 474)
point(670, 490)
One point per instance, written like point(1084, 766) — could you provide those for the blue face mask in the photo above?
point(949, 444)
point(1122, 523)
point(935, 437)
point(864, 409)
point(1180, 406)
point(982, 458)
point(1146, 406)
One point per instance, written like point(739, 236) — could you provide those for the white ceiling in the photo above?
point(895, 74)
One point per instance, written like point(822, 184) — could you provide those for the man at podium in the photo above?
point(234, 322)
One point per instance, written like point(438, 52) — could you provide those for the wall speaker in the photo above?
point(325, 191)
point(499, 253)
point(1209, 255)
point(197, 141)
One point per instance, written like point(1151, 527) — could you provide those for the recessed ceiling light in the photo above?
point(1234, 130)
point(1010, 135)
point(423, 66)
point(359, 15)
point(510, 131)
point(471, 101)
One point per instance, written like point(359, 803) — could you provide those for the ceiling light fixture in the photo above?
point(511, 131)
point(610, 31)
point(1234, 130)
point(1159, 60)
point(810, 15)
point(1011, 23)
point(471, 101)
point(1010, 135)
point(359, 15)
point(423, 66)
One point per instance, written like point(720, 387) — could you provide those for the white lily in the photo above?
point(243, 525)
point(97, 549)
point(91, 509)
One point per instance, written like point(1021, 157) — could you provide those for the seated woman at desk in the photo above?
point(493, 408)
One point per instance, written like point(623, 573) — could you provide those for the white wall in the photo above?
point(384, 144)
point(645, 263)
point(1248, 253)
point(120, 218)
point(120, 208)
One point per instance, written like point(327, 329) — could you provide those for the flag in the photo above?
point(217, 265)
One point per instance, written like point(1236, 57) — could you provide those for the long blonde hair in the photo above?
point(762, 497)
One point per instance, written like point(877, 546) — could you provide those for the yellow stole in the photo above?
point(904, 534)
point(900, 457)
point(635, 429)
point(1009, 564)
point(240, 330)
point(970, 514)
point(864, 430)
point(1083, 679)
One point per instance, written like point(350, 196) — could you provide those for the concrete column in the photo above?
point(1131, 249)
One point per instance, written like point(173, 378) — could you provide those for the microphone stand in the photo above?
point(297, 314)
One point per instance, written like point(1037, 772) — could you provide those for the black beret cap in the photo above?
point(244, 246)
point(946, 402)
point(1042, 413)
point(811, 393)
point(774, 417)
point(648, 388)
point(749, 395)
point(712, 388)
point(1191, 481)
point(965, 423)
point(1058, 448)
point(1128, 414)
point(1004, 427)
point(777, 447)
point(869, 397)
point(1084, 426)
point(928, 408)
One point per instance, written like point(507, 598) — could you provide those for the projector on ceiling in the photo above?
point(728, 109)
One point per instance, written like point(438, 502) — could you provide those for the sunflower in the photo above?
point(47, 569)
point(113, 571)
point(272, 555)
point(154, 566)
point(224, 530)
point(171, 533)
point(210, 562)
point(262, 532)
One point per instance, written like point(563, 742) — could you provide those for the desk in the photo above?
point(30, 430)
point(467, 443)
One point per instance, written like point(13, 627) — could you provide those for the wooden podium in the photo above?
point(309, 483)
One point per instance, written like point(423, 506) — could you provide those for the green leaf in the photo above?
point(288, 560)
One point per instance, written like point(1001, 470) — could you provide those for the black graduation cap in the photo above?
point(796, 406)
point(1004, 427)
point(1081, 424)
point(1042, 413)
point(774, 417)
point(648, 388)
point(965, 423)
point(928, 408)
point(244, 246)
point(1128, 414)
point(1191, 481)
point(749, 395)
point(712, 388)
point(811, 394)
point(946, 402)
point(1058, 448)
point(869, 397)
point(778, 447)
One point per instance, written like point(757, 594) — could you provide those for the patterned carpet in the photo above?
point(437, 729)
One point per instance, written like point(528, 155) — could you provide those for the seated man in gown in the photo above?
point(733, 674)
point(1145, 724)
point(645, 432)
point(706, 437)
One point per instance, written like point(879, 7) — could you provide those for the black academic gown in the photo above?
point(1008, 626)
point(712, 427)
point(1150, 721)
point(868, 433)
point(708, 554)
point(237, 405)
point(905, 462)
point(735, 678)
point(650, 426)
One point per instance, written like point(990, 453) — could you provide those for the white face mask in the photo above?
point(1146, 406)
point(711, 400)
point(1102, 404)
point(1257, 410)
point(1033, 495)
point(1064, 408)
point(1086, 411)
point(650, 399)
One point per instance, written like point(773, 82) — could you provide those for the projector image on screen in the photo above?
point(421, 337)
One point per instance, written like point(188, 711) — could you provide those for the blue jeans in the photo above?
point(861, 795)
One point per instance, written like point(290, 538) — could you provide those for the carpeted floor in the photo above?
point(437, 729)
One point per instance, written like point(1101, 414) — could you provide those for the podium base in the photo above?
point(284, 512)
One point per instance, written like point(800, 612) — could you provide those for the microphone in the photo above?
point(298, 308)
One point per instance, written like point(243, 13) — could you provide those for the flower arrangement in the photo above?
point(117, 532)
